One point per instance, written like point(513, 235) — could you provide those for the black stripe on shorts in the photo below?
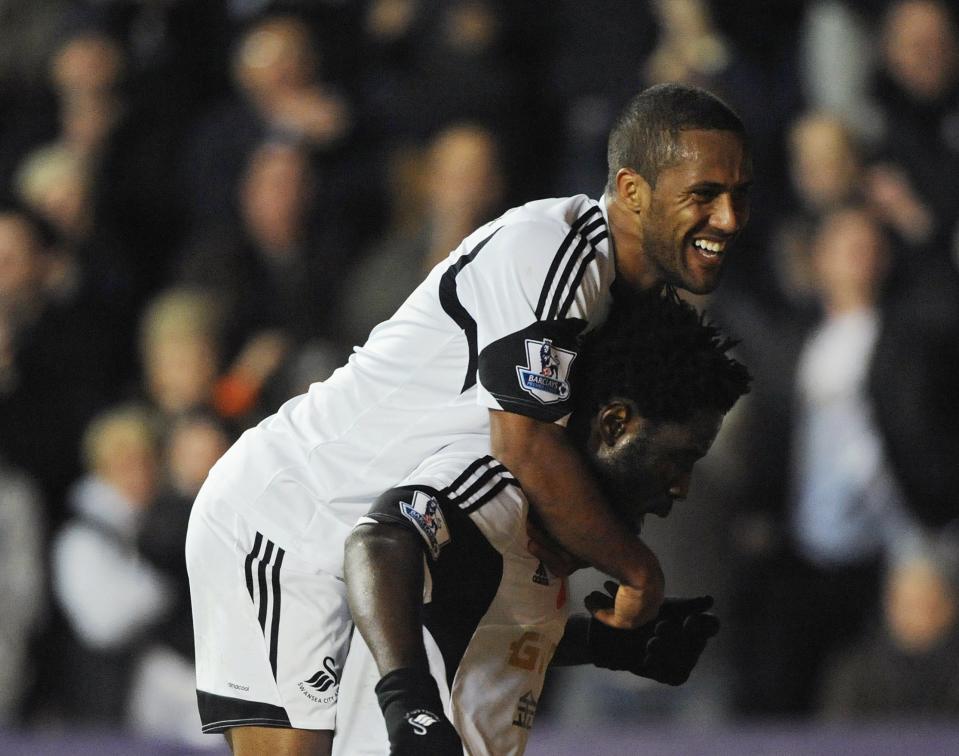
point(267, 591)
point(220, 713)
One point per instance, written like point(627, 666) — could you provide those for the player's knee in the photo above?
point(253, 741)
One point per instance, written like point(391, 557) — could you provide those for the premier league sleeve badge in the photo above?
point(427, 517)
point(545, 375)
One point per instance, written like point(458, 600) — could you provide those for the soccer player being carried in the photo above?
point(654, 387)
point(484, 349)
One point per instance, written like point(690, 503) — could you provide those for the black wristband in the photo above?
point(415, 722)
point(409, 686)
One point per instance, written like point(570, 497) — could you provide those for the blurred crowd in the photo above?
point(204, 206)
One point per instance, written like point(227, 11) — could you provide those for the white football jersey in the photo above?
point(496, 325)
point(493, 614)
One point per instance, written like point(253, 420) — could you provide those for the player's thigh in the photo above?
point(276, 741)
point(271, 631)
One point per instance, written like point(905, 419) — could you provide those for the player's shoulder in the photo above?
point(541, 229)
point(555, 215)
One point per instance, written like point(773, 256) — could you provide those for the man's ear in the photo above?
point(613, 420)
point(633, 190)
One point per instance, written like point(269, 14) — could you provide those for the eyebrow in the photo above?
point(716, 186)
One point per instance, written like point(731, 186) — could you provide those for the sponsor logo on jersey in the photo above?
point(425, 514)
point(531, 652)
point(546, 371)
point(526, 710)
point(541, 576)
point(420, 720)
point(322, 687)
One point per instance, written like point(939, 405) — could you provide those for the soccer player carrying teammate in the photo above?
point(462, 359)
point(654, 389)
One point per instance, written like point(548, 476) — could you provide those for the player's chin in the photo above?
point(661, 506)
point(701, 274)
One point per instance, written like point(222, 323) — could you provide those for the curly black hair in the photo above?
point(660, 353)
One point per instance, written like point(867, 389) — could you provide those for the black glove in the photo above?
point(415, 722)
point(665, 649)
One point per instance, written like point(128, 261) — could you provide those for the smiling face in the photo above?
point(643, 466)
point(689, 219)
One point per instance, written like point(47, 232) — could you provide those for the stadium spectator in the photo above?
point(275, 276)
point(110, 596)
point(837, 59)
point(180, 352)
point(854, 495)
point(909, 665)
point(162, 697)
point(23, 593)
point(826, 172)
point(917, 91)
point(464, 187)
point(47, 343)
point(126, 142)
point(281, 90)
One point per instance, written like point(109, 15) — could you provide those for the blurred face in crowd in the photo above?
point(276, 56)
point(823, 162)
point(87, 65)
point(21, 269)
point(181, 371)
point(464, 175)
point(192, 449)
point(55, 182)
point(850, 259)
point(920, 606)
point(645, 466)
point(692, 215)
point(125, 455)
point(920, 48)
point(276, 193)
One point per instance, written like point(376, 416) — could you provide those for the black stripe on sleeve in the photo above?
point(477, 485)
point(577, 280)
point(574, 231)
point(275, 627)
point(561, 284)
point(489, 495)
point(465, 475)
point(454, 308)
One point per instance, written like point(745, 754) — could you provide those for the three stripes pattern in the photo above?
point(265, 594)
point(478, 484)
point(570, 264)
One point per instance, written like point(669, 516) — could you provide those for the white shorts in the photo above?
point(271, 631)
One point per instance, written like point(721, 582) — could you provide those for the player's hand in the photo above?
point(626, 608)
point(415, 721)
point(557, 559)
point(665, 649)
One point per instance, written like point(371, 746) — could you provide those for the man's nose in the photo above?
point(726, 215)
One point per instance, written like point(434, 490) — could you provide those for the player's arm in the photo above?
point(387, 603)
point(666, 649)
point(386, 599)
point(571, 507)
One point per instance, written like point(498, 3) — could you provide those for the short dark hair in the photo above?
point(658, 352)
point(644, 137)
